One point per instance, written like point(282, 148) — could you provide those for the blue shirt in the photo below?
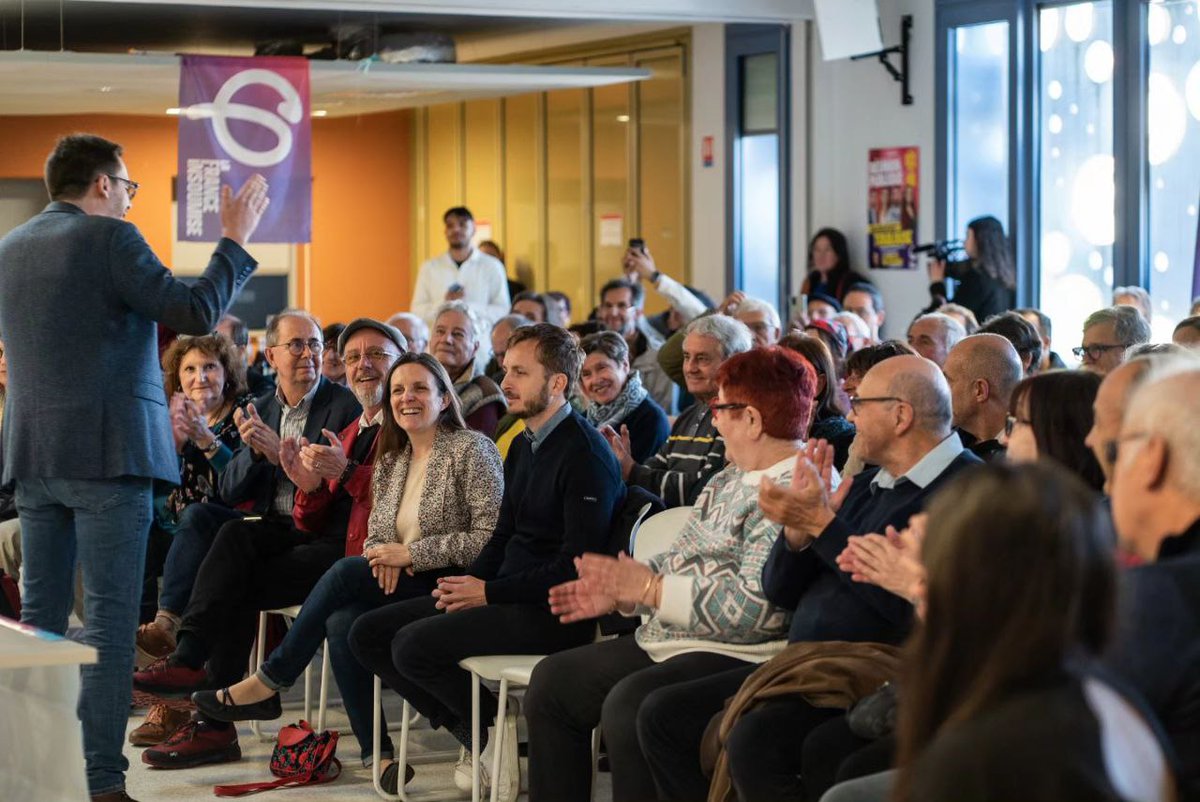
point(539, 437)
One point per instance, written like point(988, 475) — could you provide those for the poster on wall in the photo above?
point(237, 117)
point(892, 203)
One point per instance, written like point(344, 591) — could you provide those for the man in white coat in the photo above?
point(461, 273)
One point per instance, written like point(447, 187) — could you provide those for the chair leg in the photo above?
point(324, 686)
point(259, 656)
point(498, 734)
point(376, 737)
point(595, 760)
point(475, 784)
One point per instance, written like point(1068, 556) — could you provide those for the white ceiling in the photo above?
point(84, 83)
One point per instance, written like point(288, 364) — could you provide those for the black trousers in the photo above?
point(415, 649)
point(607, 683)
point(833, 754)
point(252, 566)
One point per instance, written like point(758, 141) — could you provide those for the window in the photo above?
point(1173, 153)
point(1077, 220)
point(979, 115)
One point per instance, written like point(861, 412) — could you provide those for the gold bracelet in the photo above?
point(642, 595)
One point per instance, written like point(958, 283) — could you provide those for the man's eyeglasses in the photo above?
point(296, 347)
point(131, 187)
point(729, 407)
point(1094, 351)
point(1112, 448)
point(858, 401)
point(1010, 423)
point(376, 355)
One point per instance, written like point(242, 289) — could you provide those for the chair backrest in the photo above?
point(658, 532)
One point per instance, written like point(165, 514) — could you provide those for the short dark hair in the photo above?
point(635, 290)
point(818, 355)
point(1058, 405)
point(330, 334)
point(76, 161)
point(869, 289)
point(1018, 331)
point(609, 343)
point(862, 360)
point(561, 297)
point(1043, 320)
point(530, 295)
point(1192, 322)
point(393, 439)
point(557, 351)
point(461, 212)
point(586, 328)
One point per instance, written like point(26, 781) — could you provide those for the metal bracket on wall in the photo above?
point(901, 75)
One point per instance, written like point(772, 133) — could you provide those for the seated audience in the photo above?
point(1049, 417)
point(558, 308)
point(822, 306)
point(562, 489)
point(235, 330)
point(332, 367)
point(269, 560)
point(529, 305)
point(456, 343)
point(903, 417)
point(501, 331)
point(414, 538)
point(1187, 333)
point(1001, 697)
point(829, 417)
point(856, 330)
point(620, 310)
point(963, 315)
point(617, 401)
point(1156, 510)
point(829, 270)
point(862, 360)
point(866, 301)
point(703, 596)
point(761, 318)
point(982, 371)
point(1107, 334)
point(836, 340)
point(414, 329)
point(694, 451)
point(1022, 334)
point(933, 335)
point(1041, 322)
point(1135, 297)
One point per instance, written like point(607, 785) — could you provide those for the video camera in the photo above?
point(945, 250)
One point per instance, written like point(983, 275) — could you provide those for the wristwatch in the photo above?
point(346, 474)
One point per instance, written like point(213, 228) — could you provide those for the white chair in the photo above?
point(650, 537)
point(407, 718)
point(259, 656)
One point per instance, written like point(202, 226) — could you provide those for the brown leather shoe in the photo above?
point(113, 796)
point(160, 724)
point(153, 642)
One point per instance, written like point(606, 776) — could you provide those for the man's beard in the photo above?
point(369, 397)
point(537, 406)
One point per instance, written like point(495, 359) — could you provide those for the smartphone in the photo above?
point(455, 287)
point(637, 244)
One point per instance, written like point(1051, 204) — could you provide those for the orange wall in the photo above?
point(360, 253)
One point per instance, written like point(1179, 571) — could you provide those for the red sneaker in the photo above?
point(195, 744)
point(166, 678)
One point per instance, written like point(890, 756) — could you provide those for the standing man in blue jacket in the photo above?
point(84, 438)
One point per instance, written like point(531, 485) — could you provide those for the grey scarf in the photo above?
point(615, 411)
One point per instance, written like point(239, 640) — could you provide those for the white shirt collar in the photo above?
point(928, 467)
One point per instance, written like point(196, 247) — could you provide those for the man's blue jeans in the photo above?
point(104, 524)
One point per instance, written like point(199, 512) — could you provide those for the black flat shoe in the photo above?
point(215, 704)
point(387, 780)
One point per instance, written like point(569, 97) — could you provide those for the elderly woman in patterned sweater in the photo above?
point(436, 496)
point(703, 597)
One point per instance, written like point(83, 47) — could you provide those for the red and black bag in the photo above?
point(302, 756)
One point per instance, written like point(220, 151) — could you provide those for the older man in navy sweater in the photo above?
point(903, 415)
point(562, 490)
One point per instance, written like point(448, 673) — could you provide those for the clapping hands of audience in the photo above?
point(891, 561)
point(293, 465)
point(807, 505)
point(328, 462)
point(188, 423)
point(455, 593)
point(605, 584)
point(622, 448)
point(258, 435)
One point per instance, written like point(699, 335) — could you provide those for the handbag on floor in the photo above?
point(302, 756)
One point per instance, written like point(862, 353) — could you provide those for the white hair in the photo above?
point(1167, 403)
point(750, 304)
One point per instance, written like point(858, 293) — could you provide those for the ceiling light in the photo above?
point(106, 89)
point(175, 111)
point(319, 112)
point(622, 118)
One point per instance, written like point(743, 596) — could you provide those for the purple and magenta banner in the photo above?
point(241, 116)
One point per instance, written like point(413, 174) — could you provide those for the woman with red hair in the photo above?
point(702, 599)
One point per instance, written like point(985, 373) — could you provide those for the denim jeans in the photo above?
point(345, 592)
point(194, 536)
point(105, 523)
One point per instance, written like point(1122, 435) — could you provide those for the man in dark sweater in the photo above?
point(1156, 508)
point(903, 417)
point(562, 490)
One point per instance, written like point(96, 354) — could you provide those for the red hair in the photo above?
point(776, 381)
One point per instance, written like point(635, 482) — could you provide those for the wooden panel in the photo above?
point(662, 169)
point(443, 170)
point(612, 142)
point(568, 224)
point(483, 175)
point(523, 195)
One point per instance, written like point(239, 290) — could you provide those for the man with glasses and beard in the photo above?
point(265, 560)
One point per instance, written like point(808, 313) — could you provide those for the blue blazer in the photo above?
point(79, 296)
